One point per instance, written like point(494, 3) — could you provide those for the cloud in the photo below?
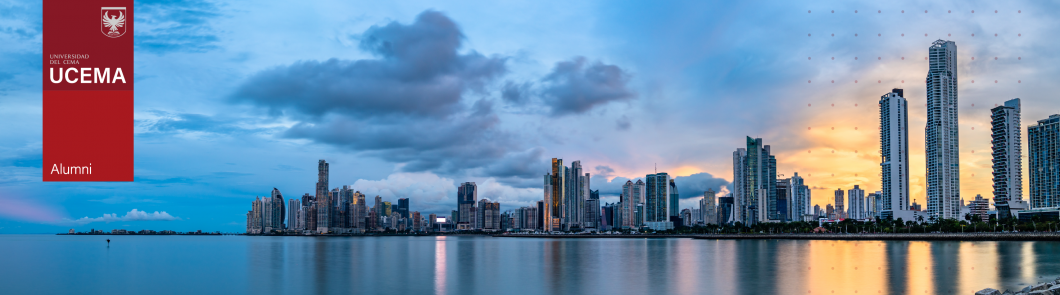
point(170, 26)
point(407, 105)
point(577, 86)
point(427, 191)
point(419, 73)
point(515, 93)
point(134, 215)
point(694, 185)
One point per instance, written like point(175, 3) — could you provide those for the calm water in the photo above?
point(48, 264)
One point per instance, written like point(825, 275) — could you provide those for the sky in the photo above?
point(411, 98)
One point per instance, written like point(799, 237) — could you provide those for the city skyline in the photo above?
point(682, 100)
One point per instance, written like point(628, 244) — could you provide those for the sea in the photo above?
point(77, 264)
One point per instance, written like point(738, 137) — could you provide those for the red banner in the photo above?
point(88, 90)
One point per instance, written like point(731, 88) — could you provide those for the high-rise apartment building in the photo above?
point(633, 195)
point(755, 182)
point(1043, 142)
point(323, 202)
point(293, 205)
point(1005, 140)
point(739, 185)
point(657, 197)
point(839, 208)
point(941, 133)
point(800, 203)
point(556, 186)
point(591, 217)
point(894, 149)
point(784, 192)
point(708, 207)
point(674, 200)
point(466, 196)
point(856, 203)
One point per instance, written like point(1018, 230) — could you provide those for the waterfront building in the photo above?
point(541, 212)
point(726, 210)
point(293, 205)
point(577, 192)
point(817, 210)
point(800, 202)
point(894, 149)
point(591, 216)
point(1043, 142)
point(686, 217)
point(784, 192)
point(255, 222)
point(657, 198)
point(674, 199)
point(323, 203)
point(839, 206)
point(488, 215)
point(708, 207)
point(607, 220)
point(417, 221)
point(634, 194)
point(274, 212)
point(1007, 153)
point(556, 195)
point(978, 207)
point(872, 205)
point(755, 177)
point(856, 203)
point(466, 196)
point(941, 133)
point(739, 184)
point(830, 212)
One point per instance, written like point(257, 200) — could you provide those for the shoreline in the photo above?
point(1023, 236)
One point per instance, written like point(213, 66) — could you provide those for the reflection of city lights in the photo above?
point(439, 263)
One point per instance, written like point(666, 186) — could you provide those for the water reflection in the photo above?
point(485, 265)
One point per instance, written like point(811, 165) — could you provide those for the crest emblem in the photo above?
point(113, 24)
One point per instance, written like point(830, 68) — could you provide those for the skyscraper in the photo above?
point(625, 201)
point(856, 203)
point(839, 208)
point(556, 183)
point(466, 195)
point(323, 202)
point(293, 205)
point(657, 196)
point(633, 195)
point(739, 184)
point(784, 191)
point(707, 207)
point(591, 217)
point(1043, 142)
point(800, 199)
point(1007, 151)
point(894, 150)
point(755, 182)
point(403, 207)
point(941, 136)
point(674, 199)
point(577, 190)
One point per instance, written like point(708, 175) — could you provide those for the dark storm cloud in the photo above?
point(694, 185)
point(407, 105)
point(170, 26)
point(577, 86)
point(419, 73)
point(515, 93)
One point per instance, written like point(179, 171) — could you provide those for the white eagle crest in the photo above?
point(114, 22)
